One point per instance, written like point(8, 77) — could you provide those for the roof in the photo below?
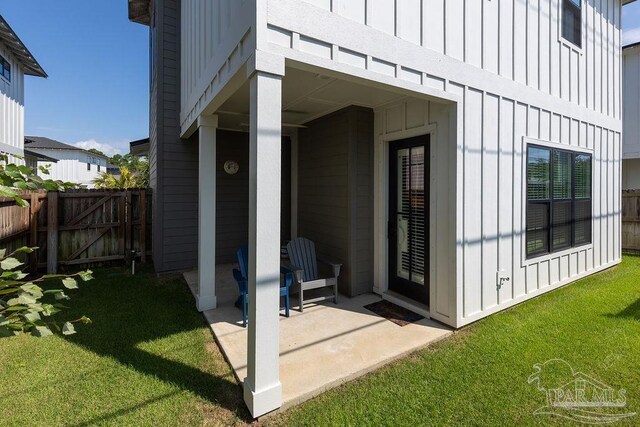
point(139, 147)
point(629, 46)
point(139, 11)
point(19, 50)
point(31, 142)
point(38, 156)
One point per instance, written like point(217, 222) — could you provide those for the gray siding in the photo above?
point(173, 162)
point(232, 193)
point(335, 193)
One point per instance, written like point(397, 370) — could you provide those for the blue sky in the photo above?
point(97, 91)
point(97, 61)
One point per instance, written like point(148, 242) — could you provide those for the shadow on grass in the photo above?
point(632, 311)
point(127, 311)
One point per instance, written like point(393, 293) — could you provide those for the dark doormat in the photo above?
point(394, 313)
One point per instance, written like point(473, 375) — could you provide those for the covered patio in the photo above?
point(315, 165)
point(322, 347)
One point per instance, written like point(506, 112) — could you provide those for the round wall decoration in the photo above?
point(231, 167)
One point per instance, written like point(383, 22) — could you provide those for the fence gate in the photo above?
point(88, 226)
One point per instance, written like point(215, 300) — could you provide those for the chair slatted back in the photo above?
point(302, 253)
point(243, 261)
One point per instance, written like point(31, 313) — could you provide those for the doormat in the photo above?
point(394, 313)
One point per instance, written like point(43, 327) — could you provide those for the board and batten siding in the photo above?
point(12, 108)
point(507, 82)
point(518, 40)
point(408, 119)
point(217, 39)
point(478, 208)
point(335, 159)
point(72, 166)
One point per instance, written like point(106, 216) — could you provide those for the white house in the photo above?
point(15, 62)
point(631, 117)
point(72, 164)
point(458, 157)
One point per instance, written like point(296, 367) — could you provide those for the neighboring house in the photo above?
point(15, 62)
point(113, 169)
point(458, 157)
point(631, 117)
point(139, 148)
point(72, 164)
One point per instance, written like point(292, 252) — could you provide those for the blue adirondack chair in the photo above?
point(241, 275)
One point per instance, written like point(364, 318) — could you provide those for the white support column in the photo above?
point(206, 297)
point(262, 388)
point(294, 183)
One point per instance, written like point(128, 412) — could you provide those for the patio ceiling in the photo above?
point(306, 96)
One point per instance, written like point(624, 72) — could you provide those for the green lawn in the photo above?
point(149, 359)
point(479, 376)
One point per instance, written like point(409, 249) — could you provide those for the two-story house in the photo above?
point(70, 163)
point(15, 62)
point(458, 157)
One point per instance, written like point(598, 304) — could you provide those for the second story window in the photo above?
point(572, 21)
point(5, 68)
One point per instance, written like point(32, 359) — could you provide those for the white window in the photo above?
point(572, 21)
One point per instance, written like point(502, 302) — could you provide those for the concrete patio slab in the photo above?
point(323, 347)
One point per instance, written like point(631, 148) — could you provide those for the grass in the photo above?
point(479, 376)
point(149, 359)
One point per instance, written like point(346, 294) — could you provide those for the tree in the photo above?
point(25, 306)
point(127, 179)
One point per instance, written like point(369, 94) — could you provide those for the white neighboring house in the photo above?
point(72, 164)
point(15, 62)
point(631, 117)
point(459, 157)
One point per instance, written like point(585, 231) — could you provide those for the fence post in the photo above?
point(129, 222)
point(143, 225)
point(52, 232)
point(34, 208)
point(123, 226)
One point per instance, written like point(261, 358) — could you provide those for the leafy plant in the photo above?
point(126, 179)
point(15, 178)
point(24, 304)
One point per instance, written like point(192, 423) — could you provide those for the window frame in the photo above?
point(573, 248)
point(4, 62)
point(568, 43)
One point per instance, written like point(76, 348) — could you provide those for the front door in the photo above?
point(409, 218)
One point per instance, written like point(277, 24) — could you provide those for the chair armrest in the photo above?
point(335, 265)
point(297, 272)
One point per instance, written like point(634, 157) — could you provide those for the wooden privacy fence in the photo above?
point(631, 220)
point(79, 226)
